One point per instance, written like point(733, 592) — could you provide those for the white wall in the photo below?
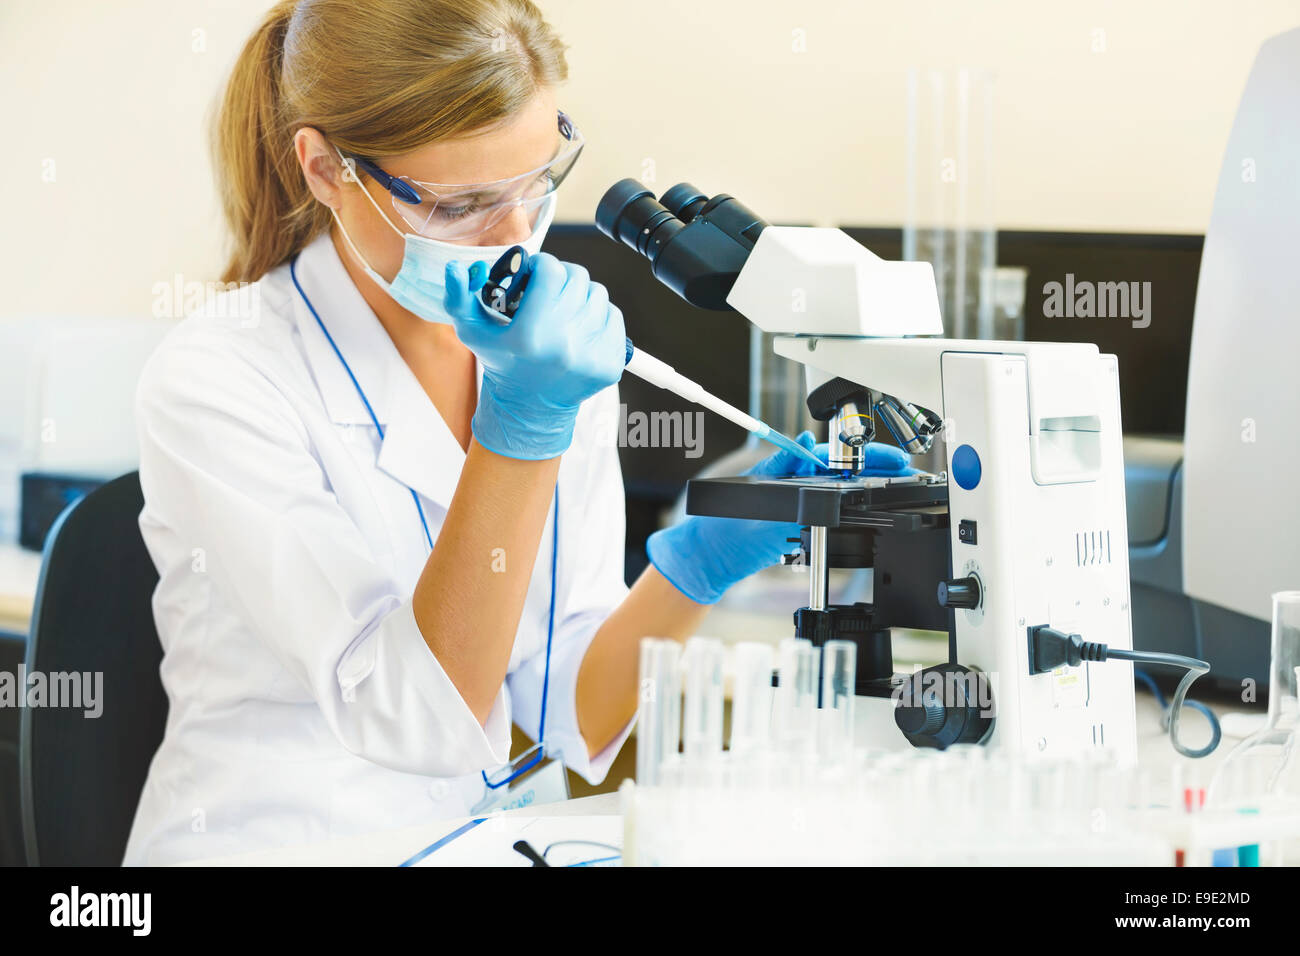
point(117, 96)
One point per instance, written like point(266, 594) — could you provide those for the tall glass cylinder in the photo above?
point(950, 217)
point(776, 388)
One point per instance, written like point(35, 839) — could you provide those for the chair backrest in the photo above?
point(81, 776)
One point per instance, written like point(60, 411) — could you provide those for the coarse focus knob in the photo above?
point(944, 705)
point(927, 718)
point(960, 593)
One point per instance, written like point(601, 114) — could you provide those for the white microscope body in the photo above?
point(1033, 445)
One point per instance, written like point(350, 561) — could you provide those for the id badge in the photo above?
point(525, 782)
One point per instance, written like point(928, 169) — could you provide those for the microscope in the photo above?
point(1023, 534)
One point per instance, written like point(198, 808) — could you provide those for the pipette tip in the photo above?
point(792, 446)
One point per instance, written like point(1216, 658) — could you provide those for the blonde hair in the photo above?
point(377, 77)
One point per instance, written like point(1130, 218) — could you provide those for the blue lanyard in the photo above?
point(555, 536)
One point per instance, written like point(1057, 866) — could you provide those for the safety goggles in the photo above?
point(452, 212)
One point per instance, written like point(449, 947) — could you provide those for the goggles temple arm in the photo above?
point(399, 189)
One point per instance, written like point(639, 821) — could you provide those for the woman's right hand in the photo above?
point(565, 343)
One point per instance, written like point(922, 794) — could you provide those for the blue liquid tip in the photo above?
point(790, 445)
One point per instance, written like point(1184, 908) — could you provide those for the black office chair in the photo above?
point(81, 778)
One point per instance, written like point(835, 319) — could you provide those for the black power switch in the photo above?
point(966, 531)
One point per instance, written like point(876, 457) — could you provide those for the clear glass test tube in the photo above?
point(702, 725)
point(839, 679)
point(1266, 765)
point(1284, 682)
point(751, 699)
point(658, 709)
point(796, 703)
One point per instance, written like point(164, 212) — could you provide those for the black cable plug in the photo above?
point(1050, 648)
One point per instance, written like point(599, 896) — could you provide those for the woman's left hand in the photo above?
point(703, 556)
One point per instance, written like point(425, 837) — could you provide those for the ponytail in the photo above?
point(264, 196)
point(377, 78)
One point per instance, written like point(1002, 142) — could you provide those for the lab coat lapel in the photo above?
point(419, 449)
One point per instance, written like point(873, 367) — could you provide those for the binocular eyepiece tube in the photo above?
point(630, 214)
point(696, 245)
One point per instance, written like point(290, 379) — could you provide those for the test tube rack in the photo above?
point(791, 787)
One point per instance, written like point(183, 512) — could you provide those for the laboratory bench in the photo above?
point(591, 813)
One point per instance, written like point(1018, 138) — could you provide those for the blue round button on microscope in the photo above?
point(966, 467)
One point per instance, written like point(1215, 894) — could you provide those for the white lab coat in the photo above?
point(305, 704)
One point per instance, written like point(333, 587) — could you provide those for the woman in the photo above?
point(383, 526)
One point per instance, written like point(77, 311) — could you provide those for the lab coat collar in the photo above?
point(418, 448)
point(356, 331)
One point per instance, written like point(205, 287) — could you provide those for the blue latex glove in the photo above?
point(565, 343)
point(702, 557)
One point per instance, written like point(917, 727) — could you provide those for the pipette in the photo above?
point(650, 369)
point(503, 292)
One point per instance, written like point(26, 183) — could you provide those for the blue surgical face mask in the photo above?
point(420, 283)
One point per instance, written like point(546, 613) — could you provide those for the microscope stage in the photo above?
point(908, 503)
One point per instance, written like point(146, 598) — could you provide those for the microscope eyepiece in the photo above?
point(684, 201)
point(696, 245)
point(630, 214)
point(617, 198)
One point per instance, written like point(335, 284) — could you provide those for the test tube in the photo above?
point(796, 697)
point(839, 679)
point(703, 708)
point(658, 709)
point(751, 699)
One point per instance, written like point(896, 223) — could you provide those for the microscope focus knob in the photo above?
point(944, 705)
point(960, 593)
point(924, 718)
